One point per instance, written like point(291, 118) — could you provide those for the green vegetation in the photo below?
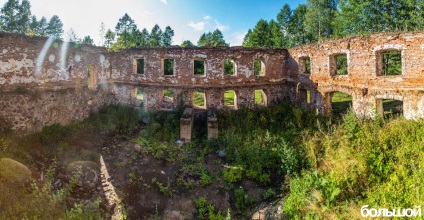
point(212, 39)
point(16, 17)
point(308, 65)
point(360, 162)
point(229, 99)
point(391, 63)
point(199, 99)
point(341, 64)
point(207, 210)
point(242, 201)
point(340, 103)
point(140, 66)
point(199, 67)
point(326, 171)
point(168, 93)
point(258, 97)
point(168, 67)
point(257, 66)
point(229, 67)
point(44, 202)
point(318, 20)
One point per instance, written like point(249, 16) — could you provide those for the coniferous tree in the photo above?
point(109, 38)
point(168, 34)
point(260, 36)
point(9, 16)
point(23, 17)
point(212, 39)
point(123, 29)
point(55, 27)
point(155, 36)
point(42, 27)
point(283, 19)
point(87, 40)
point(187, 43)
point(33, 26)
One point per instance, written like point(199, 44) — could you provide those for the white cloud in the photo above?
point(164, 2)
point(207, 17)
point(236, 39)
point(220, 26)
point(199, 26)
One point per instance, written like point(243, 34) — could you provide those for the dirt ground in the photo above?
point(137, 176)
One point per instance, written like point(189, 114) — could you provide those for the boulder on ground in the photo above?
point(13, 171)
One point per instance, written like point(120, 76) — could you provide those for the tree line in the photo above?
point(16, 17)
point(325, 19)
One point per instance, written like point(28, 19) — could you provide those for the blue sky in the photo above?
point(188, 18)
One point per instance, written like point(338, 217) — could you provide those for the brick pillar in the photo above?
point(186, 124)
point(212, 125)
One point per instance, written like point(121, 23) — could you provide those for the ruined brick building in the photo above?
point(45, 81)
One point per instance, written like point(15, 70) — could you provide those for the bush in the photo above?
point(233, 174)
point(270, 193)
point(242, 201)
point(207, 210)
point(361, 162)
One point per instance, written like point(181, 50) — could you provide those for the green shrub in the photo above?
point(233, 174)
point(207, 210)
point(205, 179)
point(270, 193)
point(360, 162)
point(242, 201)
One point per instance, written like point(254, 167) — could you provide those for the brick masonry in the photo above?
point(45, 81)
point(363, 82)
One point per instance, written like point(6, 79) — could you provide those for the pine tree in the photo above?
point(168, 34)
point(260, 36)
point(187, 43)
point(23, 17)
point(214, 39)
point(15, 17)
point(109, 38)
point(55, 27)
point(87, 40)
point(42, 27)
point(155, 36)
point(123, 29)
point(283, 20)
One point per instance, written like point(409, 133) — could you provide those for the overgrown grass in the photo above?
point(265, 142)
point(229, 98)
point(360, 162)
point(199, 99)
point(331, 170)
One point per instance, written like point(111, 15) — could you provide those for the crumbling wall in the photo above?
point(31, 110)
point(214, 82)
point(34, 61)
point(363, 82)
point(45, 81)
